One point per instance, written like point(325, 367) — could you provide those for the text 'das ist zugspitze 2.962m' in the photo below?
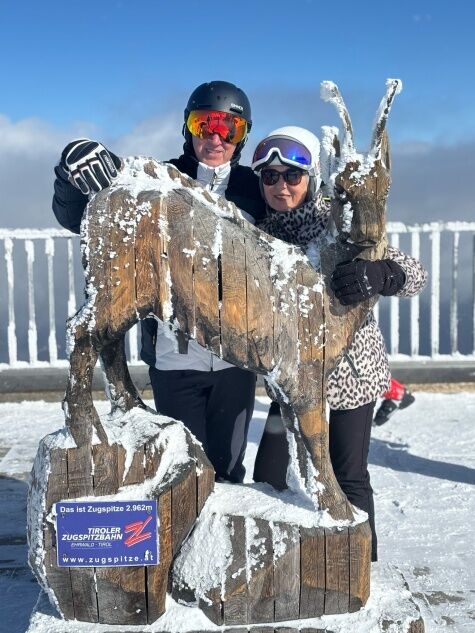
point(107, 534)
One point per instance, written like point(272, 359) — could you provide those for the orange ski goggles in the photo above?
point(205, 123)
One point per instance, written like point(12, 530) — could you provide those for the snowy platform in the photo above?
point(390, 608)
point(422, 467)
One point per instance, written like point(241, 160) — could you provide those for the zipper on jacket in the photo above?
point(354, 371)
point(212, 181)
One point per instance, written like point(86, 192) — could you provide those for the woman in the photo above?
point(287, 164)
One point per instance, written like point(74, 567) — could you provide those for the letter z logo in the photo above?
point(138, 533)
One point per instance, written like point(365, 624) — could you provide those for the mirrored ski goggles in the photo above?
point(289, 151)
point(291, 176)
point(205, 123)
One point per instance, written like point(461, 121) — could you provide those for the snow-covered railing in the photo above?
point(41, 283)
point(440, 322)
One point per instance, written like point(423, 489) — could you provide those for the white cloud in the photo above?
point(159, 137)
point(30, 148)
point(429, 180)
point(31, 138)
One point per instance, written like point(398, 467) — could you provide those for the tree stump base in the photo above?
point(156, 458)
point(286, 563)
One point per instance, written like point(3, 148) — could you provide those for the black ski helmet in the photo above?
point(224, 97)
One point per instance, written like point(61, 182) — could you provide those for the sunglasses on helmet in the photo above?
point(289, 151)
point(291, 176)
point(205, 123)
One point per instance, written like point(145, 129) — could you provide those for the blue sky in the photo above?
point(121, 71)
point(116, 62)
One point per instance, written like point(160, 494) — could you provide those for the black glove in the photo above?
point(89, 165)
point(361, 279)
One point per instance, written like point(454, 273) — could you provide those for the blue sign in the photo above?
point(107, 533)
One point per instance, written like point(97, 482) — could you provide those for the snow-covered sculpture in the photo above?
point(156, 244)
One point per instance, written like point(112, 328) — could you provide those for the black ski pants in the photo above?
point(216, 406)
point(349, 436)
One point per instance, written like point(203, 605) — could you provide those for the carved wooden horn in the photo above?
point(379, 139)
point(330, 93)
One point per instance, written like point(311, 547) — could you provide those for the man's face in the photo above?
point(213, 151)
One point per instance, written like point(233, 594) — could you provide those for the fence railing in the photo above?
point(41, 283)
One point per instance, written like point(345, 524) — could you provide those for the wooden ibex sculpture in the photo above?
point(156, 244)
point(167, 249)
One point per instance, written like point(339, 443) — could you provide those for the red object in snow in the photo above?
point(395, 391)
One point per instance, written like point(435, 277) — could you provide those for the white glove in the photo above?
point(90, 166)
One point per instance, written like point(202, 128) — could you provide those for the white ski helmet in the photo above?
point(291, 145)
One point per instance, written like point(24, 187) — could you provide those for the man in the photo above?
point(214, 399)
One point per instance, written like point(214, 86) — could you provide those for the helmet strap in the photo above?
point(312, 185)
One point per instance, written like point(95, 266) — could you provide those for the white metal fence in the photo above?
point(41, 283)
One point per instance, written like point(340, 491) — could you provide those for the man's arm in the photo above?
point(85, 167)
point(68, 202)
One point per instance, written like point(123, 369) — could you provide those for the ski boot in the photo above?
point(397, 397)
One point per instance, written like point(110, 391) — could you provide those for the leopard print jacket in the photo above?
point(362, 374)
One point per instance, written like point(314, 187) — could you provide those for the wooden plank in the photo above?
point(286, 543)
point(205, 477)
point(84, 594)
point(285, 319)
point(207, 238)
point(337, 570)
point(312, 572)
point(106, 481)
point(136, 472)
point(360, 565)
point(235, 590)
point(259, 307)
point(129, 582)
point(106, 478)
point(234, 297)
point(120, 464)
point(148, 255)
point(120, 262)
point(59, 578)
point(183, 507)
point(163, 266)
point(157, 575)
point(80, 484)
point(121, 596)
point(311, 337)
point(261, 581)
point(181, 258)
point(205, 485)
point(213, 611)
point(152, 459)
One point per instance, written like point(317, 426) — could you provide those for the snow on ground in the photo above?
point(422, 465)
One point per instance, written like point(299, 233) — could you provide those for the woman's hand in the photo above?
point(360, 279)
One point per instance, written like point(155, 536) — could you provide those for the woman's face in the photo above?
point(282, 196)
